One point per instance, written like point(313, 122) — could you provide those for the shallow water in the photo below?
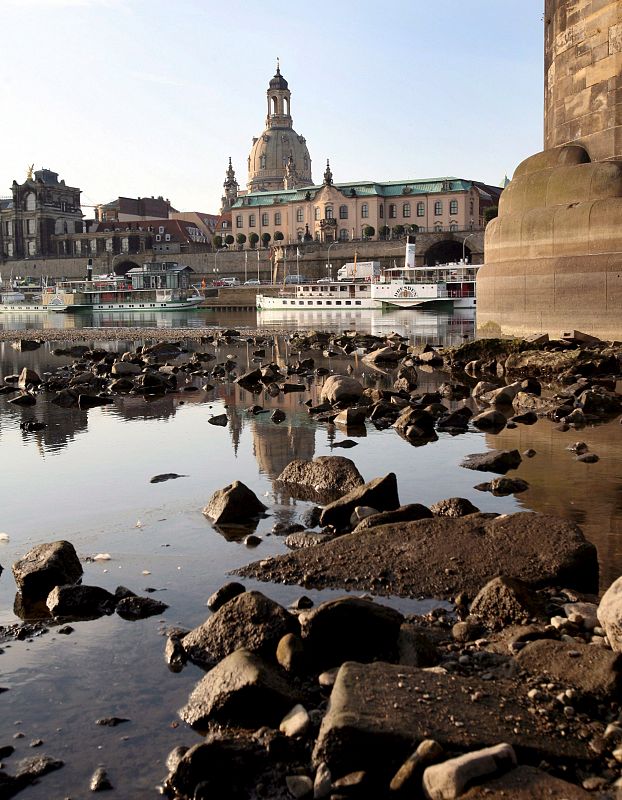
point(85, 478)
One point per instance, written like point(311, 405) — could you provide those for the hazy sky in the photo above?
point(151, 97)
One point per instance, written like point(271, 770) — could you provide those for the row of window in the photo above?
point(343, 213)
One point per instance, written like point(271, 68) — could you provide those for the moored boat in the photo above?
point(156, 286)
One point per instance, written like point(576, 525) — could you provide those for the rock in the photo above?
point(28, 377)
point(122, 369)
point(482, 388)
point(80, 602)
point(588, 458)
point(592, 670)
point(362, 512)
point(345, 443)
point(453, 507)
point(381, 493)
point(383, 355)
point(406, 380)
point(501, 487)
point(100, 781)
point(325, 478)
point(306, 539)
point(46, 566)
point(415, 648)
point(456, 421)
point(402, 514)
point(277, 416)
point(448, 780)
point(250, 620)
point(290, 653)
point(299, 786)
point(29, 770)
point(408, 776)
point(589, 612)
point(352, 417)
point(23, 399)
point(26, 344)
point(250, 380)
point(502, 396)
point(467, 630)
point(135, 607)
point(242, 689)
point(166, 476)
point(503, 601)
point(350, 629)
point(226, 592)
point(412, 558)
point(493, 461)
point(111, 722)
point(235, 503)
point(373, 721)
point(610, 614)
point(310, 517)
point(219, 419)
point(526, 783)
point(296, 722)
point(415, 423)
point(174, 654)
point(528, 418)
point(341, 388)
point(490, 420)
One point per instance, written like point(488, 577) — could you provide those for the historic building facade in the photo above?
point(282, 203)
point(37, 210)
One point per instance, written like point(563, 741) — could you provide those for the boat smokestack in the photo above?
point(89, 269)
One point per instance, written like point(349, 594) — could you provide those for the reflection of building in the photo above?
point(38, 209)
point(282, 202)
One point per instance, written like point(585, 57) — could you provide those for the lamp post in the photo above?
point(464, 246)
point(329, 268)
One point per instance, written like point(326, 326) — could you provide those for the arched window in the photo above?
point(406, 210)
point(343, 235)
point(317, 212)
point(329, 212)
point(421, 209)
point(286, 105)
point(275, 105)
point(365, 210)
point(343, 212)
point(265, 218)
point(252, 221)
point(30, 201)
point(262, 162)
point(453, 207)
point(392, 211)
point(238, 221)
point(438, 208)
point(300, 215)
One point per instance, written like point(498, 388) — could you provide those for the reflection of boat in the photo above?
point(156, 286)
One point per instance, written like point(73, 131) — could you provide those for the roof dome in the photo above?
point(278, 82)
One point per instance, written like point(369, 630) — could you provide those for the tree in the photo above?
point(368, 231)
point(398, 230)
point(253, 239)
point(265, 239)
point(278, 236)
point(384, 231)
point(490, 213)
point(241, 239)
point(229, 239)
point(217, 241)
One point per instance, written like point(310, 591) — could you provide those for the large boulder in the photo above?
point(453, 507)
point(527, 783)
point(250, 620)
point(28, 377)
point(234, 503)
point(378, 714)
point(591, 670)
point(341, 389)
point(80, 602)
point(323, 479)
point(442, 556)
point(406, 513)
point(493, 461)
point(350, 629)
point(448, 780)
point(381, 494)
point(490, 420)
point(382, 355)
point(242, 689)
point(503, 601)
point(46, 566)
point(610, 614)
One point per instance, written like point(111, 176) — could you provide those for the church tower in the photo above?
point(278, 145)
point(231, 190)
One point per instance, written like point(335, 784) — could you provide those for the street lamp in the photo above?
point(329, 268)
point(464, 246)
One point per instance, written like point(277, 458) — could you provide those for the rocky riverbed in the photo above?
point(510, 688)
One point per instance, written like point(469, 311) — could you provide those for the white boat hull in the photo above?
point(22, 308)
point(172, 305)
point(275, 303)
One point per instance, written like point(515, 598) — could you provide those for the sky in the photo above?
point(151, 97)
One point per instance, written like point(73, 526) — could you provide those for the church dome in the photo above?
point(278, 145)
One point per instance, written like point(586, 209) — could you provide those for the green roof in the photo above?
point(362, 189)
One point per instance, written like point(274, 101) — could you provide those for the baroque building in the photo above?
point(282, 204)
point(38, 210)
